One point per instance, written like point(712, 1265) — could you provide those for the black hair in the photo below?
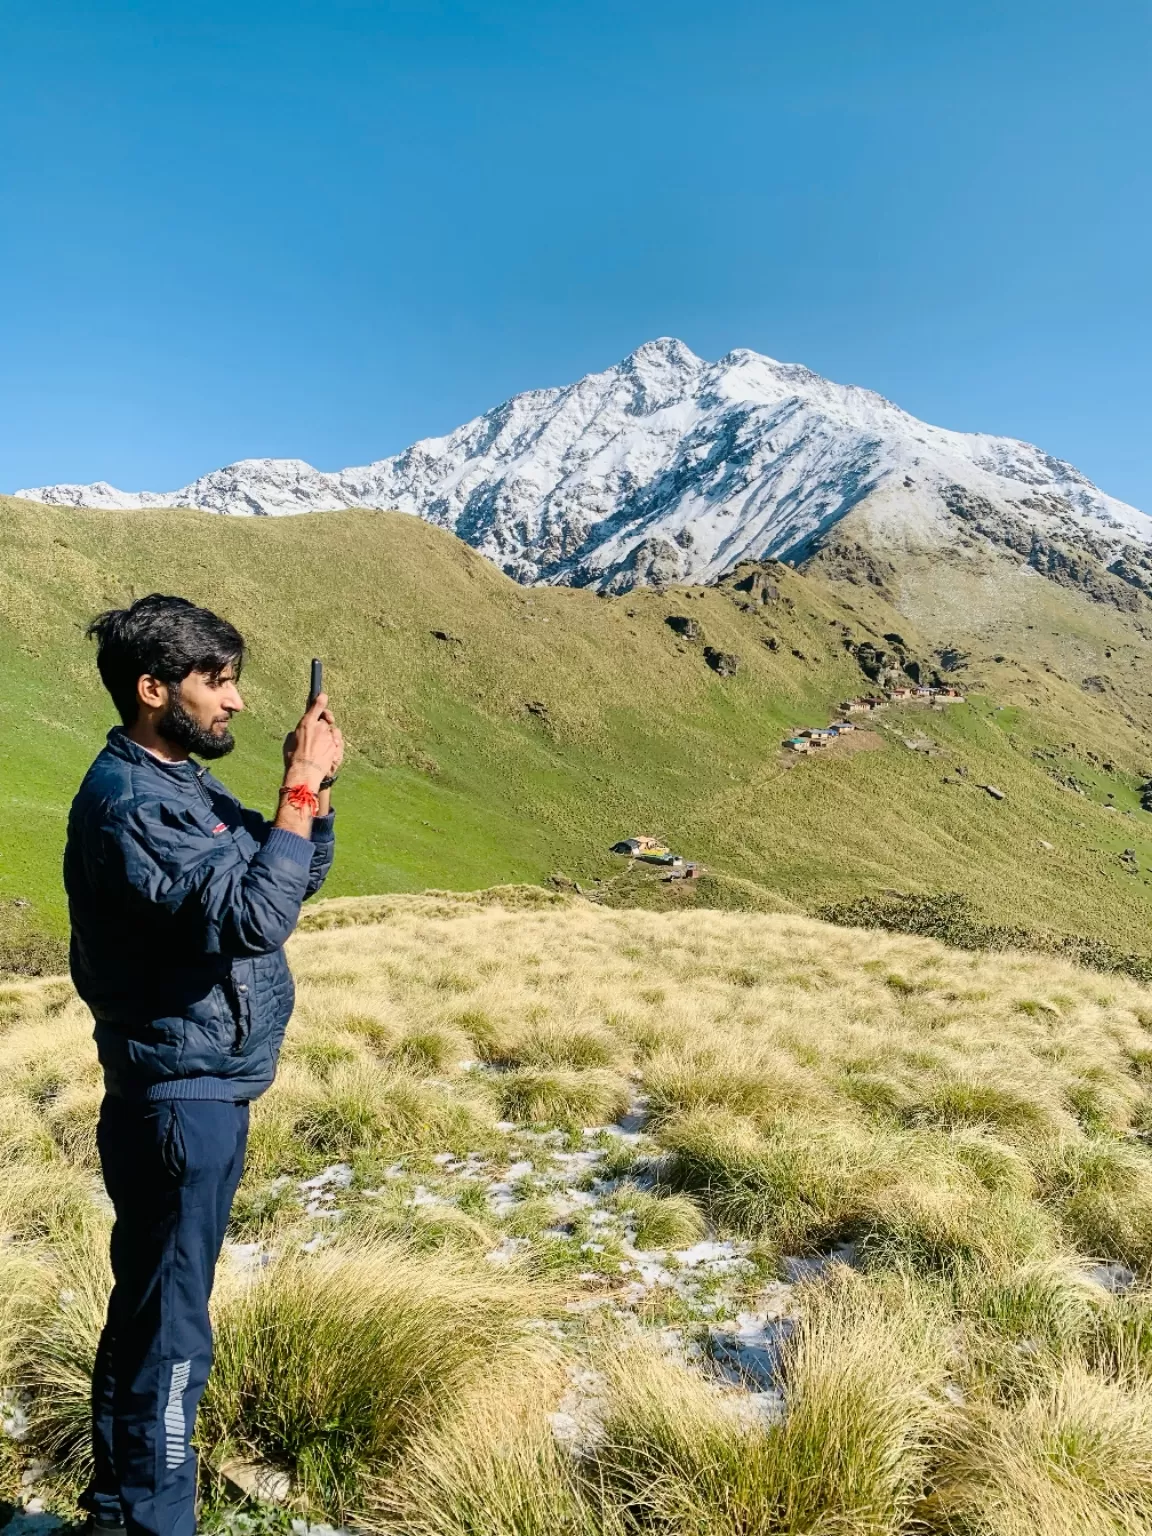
point(161, 637)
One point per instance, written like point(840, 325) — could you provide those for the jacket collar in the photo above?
point(121, 745)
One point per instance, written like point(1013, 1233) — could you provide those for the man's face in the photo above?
point(199, 711)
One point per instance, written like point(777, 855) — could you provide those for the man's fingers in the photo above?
point(317, 736)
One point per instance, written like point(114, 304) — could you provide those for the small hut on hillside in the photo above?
point(649, 848)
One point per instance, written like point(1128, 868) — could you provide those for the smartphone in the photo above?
point(316, 682)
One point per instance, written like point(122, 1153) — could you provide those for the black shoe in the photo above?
point(99, 1528)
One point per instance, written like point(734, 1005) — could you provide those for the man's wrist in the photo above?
point(301, 798)
point(307, 773)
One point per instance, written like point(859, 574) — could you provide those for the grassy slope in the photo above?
point(976, 1125)
point(454, 782)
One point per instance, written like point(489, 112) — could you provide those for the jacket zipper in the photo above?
point(240, 993)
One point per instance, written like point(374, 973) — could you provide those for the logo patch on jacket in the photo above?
point(220, 826)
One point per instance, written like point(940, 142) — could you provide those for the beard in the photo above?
point(177, 726)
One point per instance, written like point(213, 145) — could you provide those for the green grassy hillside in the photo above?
point(546, 723)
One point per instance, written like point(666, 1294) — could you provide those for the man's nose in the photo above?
point(233, 702)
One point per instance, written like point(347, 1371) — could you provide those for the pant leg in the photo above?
point(102, 1498)
point(171, 1171)
point(131, 1139)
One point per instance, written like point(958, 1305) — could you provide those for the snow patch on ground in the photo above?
point(710, 1305)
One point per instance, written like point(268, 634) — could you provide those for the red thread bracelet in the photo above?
point(301, 798)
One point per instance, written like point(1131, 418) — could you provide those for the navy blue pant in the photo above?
point(171, 1172)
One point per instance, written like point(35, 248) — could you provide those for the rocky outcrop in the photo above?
point(1083, 562)
point(840, 558)
point(951, 659)
point(687, 628)
point(756, 586)
point(873, 661)
point(893, 665)
point(652, 563)
point(1134, 568)
point(723, 663)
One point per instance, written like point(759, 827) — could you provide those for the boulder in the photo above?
point(759, 587)
point(1111, 1276)
point(952, 659)
point(257, 1480)
point(687, 628)
point(723, 663)
point(871, 659)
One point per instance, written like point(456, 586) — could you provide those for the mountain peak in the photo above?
point(667, 467)
point(664, 351)
point(659, 373)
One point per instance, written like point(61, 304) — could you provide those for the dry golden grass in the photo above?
point(495, 1469)
point(975, 1125)
point(409, 1337)
point(851, 1454)
point(1071, 1459)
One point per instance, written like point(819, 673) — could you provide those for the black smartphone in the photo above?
point(316, 682)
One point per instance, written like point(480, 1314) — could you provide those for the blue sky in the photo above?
point(321, 230)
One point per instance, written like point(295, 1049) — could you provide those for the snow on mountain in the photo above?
point(667, 467)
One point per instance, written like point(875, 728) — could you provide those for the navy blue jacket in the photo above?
point(181, 902)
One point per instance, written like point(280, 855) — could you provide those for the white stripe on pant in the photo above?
point(175, 1430)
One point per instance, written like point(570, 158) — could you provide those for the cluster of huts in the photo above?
point(650, 850)
point(818, 736)
point(911, 693)
point(811, 740)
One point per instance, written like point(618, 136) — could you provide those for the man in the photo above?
point(181, 901)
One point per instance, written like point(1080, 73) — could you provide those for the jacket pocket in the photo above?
point(173, 1151)
point(209, 1033)
point(240, 997)
point(221, 1020)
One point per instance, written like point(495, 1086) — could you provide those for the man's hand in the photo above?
point(315, 749)
point(338, 760)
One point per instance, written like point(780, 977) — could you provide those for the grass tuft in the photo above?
point(495, 1469)
point(1072, 1457)
point(670, 1221)
point(559, 1097)
point(327, 1365)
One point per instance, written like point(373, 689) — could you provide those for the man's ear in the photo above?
point(151, 692)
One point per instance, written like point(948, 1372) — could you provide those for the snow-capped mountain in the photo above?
point(670, 468)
